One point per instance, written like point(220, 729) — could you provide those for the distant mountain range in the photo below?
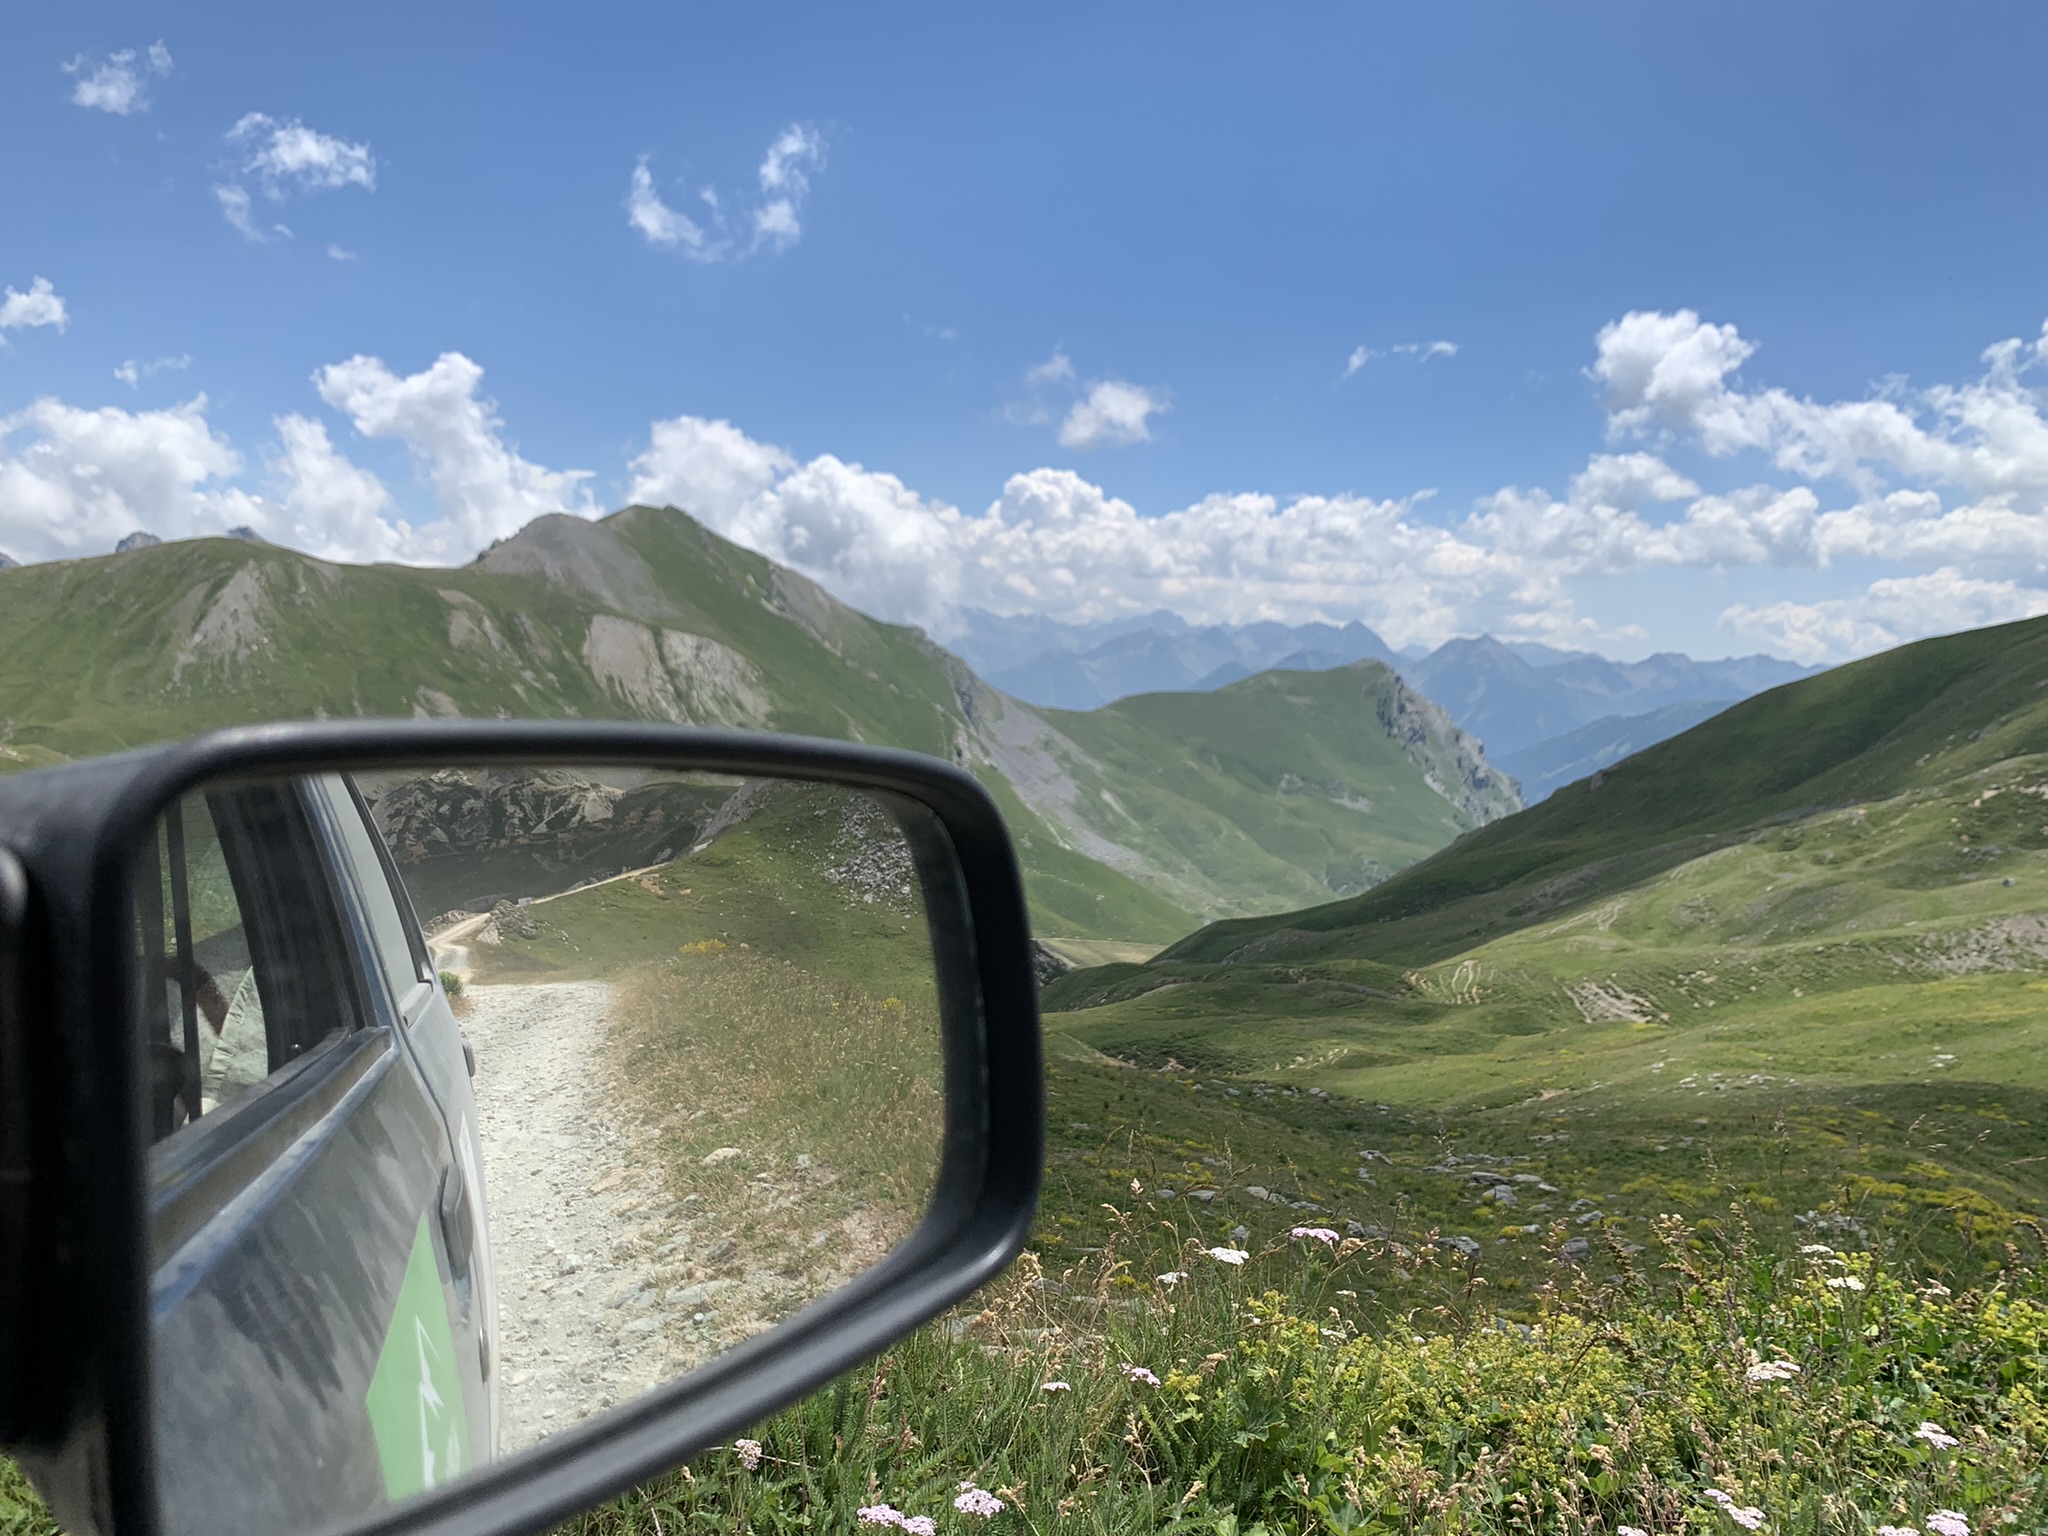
point(1087, 666)
point(1544, 714)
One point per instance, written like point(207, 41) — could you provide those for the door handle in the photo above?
point(458, 1223)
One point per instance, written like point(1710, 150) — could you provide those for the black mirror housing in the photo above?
point(75, 1260)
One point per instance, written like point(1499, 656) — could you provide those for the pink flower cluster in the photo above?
point(1139, 1373)
point(1319, 1234)
point(1948, 1522)
point(888, 1514)
point(749, 1453)
point(1748, 1516)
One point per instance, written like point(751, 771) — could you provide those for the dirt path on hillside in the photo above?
point(610, 1278)
point(576, 1220)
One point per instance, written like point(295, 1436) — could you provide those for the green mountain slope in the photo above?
point(1918, 716)
point(648, 615)
point(1796, 958)
point(1249, 805)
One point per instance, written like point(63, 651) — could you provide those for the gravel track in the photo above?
point(567, 1181)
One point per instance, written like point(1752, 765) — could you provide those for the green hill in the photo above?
point(1796, 958)
point(1922, 715)
point(648, 615)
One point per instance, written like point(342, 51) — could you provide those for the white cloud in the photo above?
point(1057, 369)
point(483, 489)
point(785, 183)
point(1113, 414)
point(1891, 612)
point(284, 156)
point(73, 481)
point(775, 223)
point(118, 83)
point(1943, 489)
point(1421, 351)
point(41, 305)
point(337, 510)
point(662, 225)
point(133, 373)
point(339, 253)
point(287, 154)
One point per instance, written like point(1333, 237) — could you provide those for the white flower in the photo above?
point(1818, 1248)
point(1056, 1386)
point(1172, 1277)
point(1845, 1283)
point(1898, 1530)
point(1772, 1370)
point(1948, 1522)
point(920, 1525)
point(1319, 1234)
point(1630, 1530)
point(878, 1514)
point(1228, 1255)
point(977, 1501)
point(1935, 1435)
point(749, 1453)
point(1139, 1373)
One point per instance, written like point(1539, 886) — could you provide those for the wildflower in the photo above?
point(1935, 1435)
point(1056, 1386)
point(1139, 1373)
point(977, 1501)
point(1320, 1234)
point(1228, 1255)
point(878, 1514)
point(1630, 1530)
point(1845, 1283)
point(749, 1453)
point(1898, 1530)
point(1817, 1248)
point(1172, 1277)
point(1948, 1522)
point(1748, 1516)
point(1935, 1290)
point(921, 1525)
point(1772, 1370)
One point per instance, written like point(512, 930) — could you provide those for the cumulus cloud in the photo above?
point(73, 481)
point(1113, 414)
point(41, 305)
point(282, 157)
point(1890, 612)
point(1944, 489)
point(483, 489)
point(118, 83)
point(774, 223)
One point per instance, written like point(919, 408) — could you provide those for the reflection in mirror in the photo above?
point(487, 1099)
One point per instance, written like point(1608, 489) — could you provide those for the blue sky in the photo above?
point(1054, 310)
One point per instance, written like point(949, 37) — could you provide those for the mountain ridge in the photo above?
point(647, 614)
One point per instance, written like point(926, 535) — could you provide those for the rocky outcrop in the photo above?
point(1451, 762)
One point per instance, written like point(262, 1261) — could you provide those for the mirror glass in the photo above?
point(486, 1099)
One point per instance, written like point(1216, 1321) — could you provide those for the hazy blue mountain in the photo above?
point(993, 642)
point(1549, 765)
point(1513, 695)
point(1156, 659)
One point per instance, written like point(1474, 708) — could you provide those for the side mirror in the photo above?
point(443, 1127)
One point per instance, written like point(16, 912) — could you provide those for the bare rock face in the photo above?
point(1454, 764)
point(141, 538)
point(7, 561)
